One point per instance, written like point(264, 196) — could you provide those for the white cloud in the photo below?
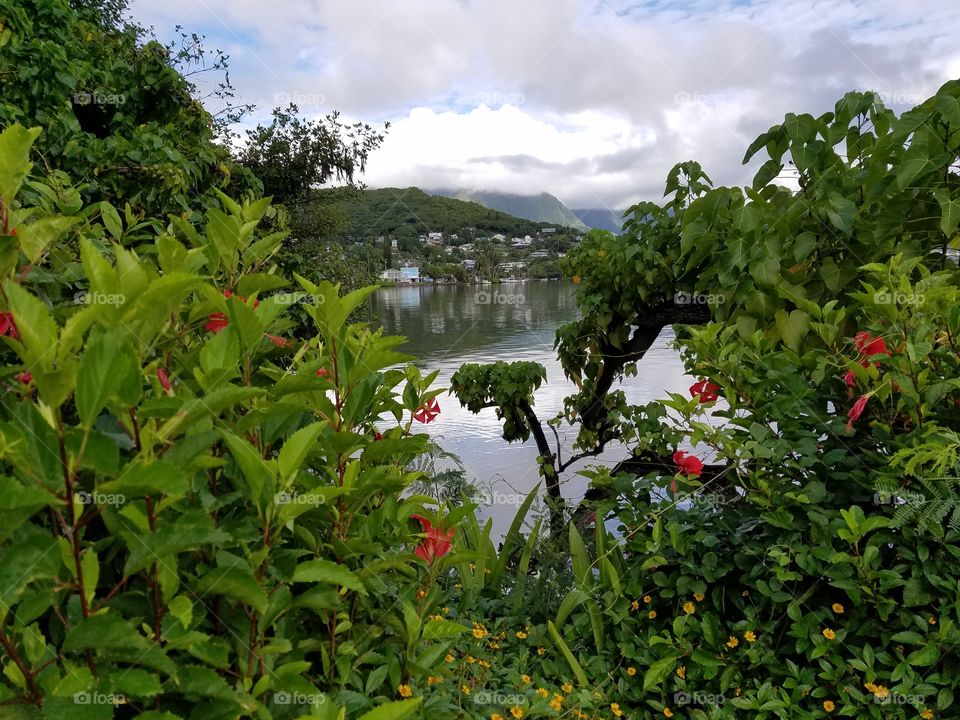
point(587, 100)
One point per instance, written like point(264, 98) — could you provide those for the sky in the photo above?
point(590, 100)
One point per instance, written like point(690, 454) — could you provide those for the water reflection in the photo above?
point(447, 326)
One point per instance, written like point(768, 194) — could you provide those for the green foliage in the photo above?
point(197, 517)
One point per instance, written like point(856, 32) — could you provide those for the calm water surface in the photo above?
point(447, 326)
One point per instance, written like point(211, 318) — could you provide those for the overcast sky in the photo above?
point(590, 101)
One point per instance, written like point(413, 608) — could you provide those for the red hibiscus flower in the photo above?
point(322, 372)
point(216, 322)
point(869, 345)
point(25, 377)
point(427, 413)
point(436, 544)
point(857, 410)
point(377, 435)
point(164, 379)
point(8, 326)
point(705, 391)
point(850, 378)
point(687, 464)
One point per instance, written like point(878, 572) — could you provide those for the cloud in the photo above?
point(591, 101)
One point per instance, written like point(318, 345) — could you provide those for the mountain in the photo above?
point(601, 218)
point(544, 208)
point(384, 211)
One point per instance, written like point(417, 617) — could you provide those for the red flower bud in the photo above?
point(164, 380)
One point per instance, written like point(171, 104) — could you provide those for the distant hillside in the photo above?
point(601, 218)
point(544, 208)
point(392, 211)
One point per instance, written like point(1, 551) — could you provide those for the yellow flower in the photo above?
point(732, 642)
point(652, 614)
point(698, 597)
point(472, 566)
point(881, 692)
point(689, 608)
point(542, 692)
point(516, 712)
point(445, 610)
point(615, 709)
point(496, 716)
point(480, 631)
point(465, 689)
point(576, 279)
point(932, 620)
point(526, 679)
point(470, 660)
point(521, 634)
point(449, 658)
point(871, 687)
point(635, 605)
point(749, 636)
point(434, 679)
point(484, 663)
point(828, 705)
point(837, 608)
point(667, 712)
point(567, 687)
point(601, 253)
point(829, 634)
point(557, 702)
point(541, 651)
point(927, 714)
point(405, 691)
point(647, 599)
point(682, 672)
point(631, 671)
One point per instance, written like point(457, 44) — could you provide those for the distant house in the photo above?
point(467, 247)
point(469, 264)
point(393, 275)
point(525, 241)
point(434, 238)
point(393, 243)
point(498, 237)
point(410, 274)
point(540, 254)
point(548, 230)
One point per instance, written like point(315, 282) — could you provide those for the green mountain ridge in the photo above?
point(543, 208)
point(411, 212)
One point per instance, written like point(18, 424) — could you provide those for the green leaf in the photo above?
point(295, 449)
point(111, 219)
point(658, 672)
point(396, 710)
point(91, 573)
point(327, 571)
point(950, 209)
point(236, 583)
point(105, 366)
point(37, 236)
point(36, 325)
point(793, 327)
point(15, 144)
point(439, 628)
point(107, 631)
point(565, 651)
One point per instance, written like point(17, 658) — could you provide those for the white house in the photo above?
point(392, 275)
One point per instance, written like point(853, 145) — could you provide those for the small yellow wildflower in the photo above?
point(541, 651)
point(421, 594)
point(526, 679)
point(829, 634)
point(496, 716)
point(698, 597)
point(682, 672)
point(667, 712)
point(927, 714)
point(652, 614)
point(615, 709)
point(484, 663)
point(542, 692)
point(516, 712)
point(556, 702)
point(471, 659)
point(749, 636)
point(405, 691)
point(449, 658)
point(932, 620)
point(631, 671)
point(465, 689)
point(434, 679)
point(521, 634)
point(689, 608)
point(732, 642)
point(567, 687)
point(601, 252)
point(837, 608)
point(576, 279)
point(828, 705)
point(635, 605)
